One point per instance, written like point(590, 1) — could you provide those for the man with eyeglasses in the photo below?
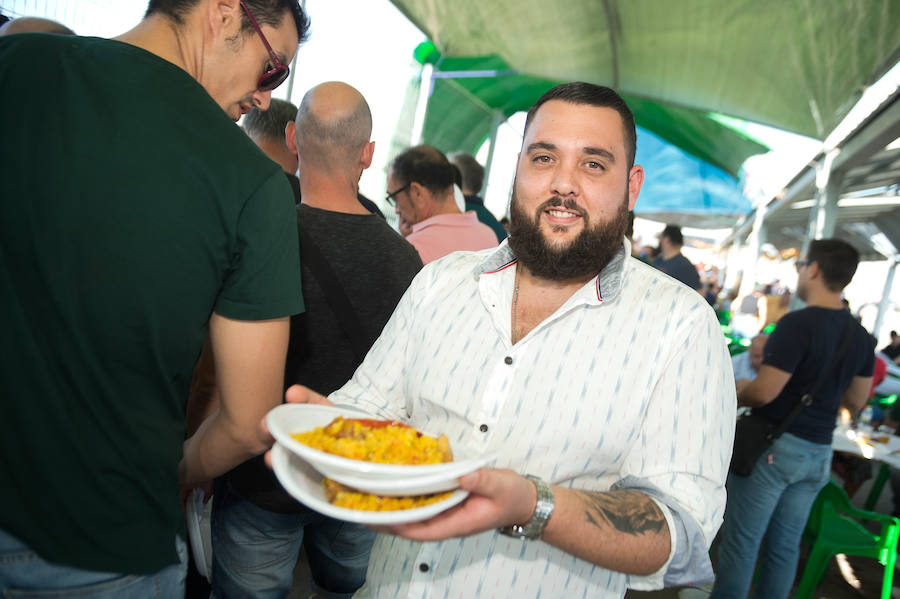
point(145, 220)
point(420, 188)
point(767, 510)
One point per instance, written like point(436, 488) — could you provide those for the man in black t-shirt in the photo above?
point(372, 265)
point(774, 501)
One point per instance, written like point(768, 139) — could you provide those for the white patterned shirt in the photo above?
point(627, 385)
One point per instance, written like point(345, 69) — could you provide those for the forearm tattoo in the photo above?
point(629, 512)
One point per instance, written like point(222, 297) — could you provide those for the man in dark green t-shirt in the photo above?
point(135, 217)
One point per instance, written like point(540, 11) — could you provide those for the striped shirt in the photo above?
point(627, 385)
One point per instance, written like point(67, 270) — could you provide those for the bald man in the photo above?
point(34, 25)
point(371, 266)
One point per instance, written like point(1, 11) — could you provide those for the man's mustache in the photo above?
point(568, 203)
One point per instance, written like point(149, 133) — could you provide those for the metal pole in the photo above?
point(496, 121)
point(885, 302)
point(818, 214)
point(425, 84)
point(290, 89)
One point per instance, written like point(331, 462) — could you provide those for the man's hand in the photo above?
point(497, 498)
point(294, 394)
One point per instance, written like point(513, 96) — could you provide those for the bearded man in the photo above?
point(548, 352)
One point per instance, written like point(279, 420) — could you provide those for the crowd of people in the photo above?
point(169, 287)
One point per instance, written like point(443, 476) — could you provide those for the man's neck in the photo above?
point(822, 298)
point(437, 208)
point(278, 152)
point(158, 35)
point(330, 191)
point(669, 253)
point(555, 286)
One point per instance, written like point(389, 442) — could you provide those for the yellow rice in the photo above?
point(393, 443)
point(343, 496)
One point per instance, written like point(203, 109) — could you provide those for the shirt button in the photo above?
point(423, 567)
point(508, 359)
point(483, 428)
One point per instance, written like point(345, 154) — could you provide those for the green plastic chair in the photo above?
point(833, 527)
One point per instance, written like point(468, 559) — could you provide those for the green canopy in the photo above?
point(468, 90)
point(798, 65)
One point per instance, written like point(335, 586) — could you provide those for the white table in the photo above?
point(861, 442)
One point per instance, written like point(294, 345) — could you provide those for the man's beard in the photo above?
point(587, 254)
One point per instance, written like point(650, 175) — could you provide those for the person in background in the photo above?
point(420, 183)
point(533, 351)
point(170, 223)
point(373, 266)
point(768, 509)
point(892, 350)
point(273, 131)
point(34, 25)
point(746, 364)
point(472, 181)
point(268, 130)
point(672, 262)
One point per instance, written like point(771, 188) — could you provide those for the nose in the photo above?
point(564, 181)
point(261, 99)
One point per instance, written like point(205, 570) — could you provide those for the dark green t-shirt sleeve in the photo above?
point(264, 279)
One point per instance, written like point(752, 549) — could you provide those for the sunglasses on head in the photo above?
point(277, 72)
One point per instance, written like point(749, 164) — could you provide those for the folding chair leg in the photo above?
point(884, 474)
point(888, 580)
point(813, 572)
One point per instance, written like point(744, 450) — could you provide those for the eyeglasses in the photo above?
point(275, 73)
point(389, 198)
point(801, 263)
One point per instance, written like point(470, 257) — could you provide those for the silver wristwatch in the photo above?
point(534, 528)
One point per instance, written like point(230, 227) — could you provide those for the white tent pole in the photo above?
point(425, 84)
point(290, 88)
point(751, 251)
point(885, 302)
point(496, 121)
point(823, 213)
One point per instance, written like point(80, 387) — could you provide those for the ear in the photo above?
point(635, 181)
point(224, 16)
point(418, 195)
point(365, 157)
point(290, 138)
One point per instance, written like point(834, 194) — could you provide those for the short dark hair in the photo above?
point(579, 92)
point(266, 12)
point(472, 172)
point(837, 260)
point(425, 165)
point(269, 124)
point(673, 232)
point(629, 230)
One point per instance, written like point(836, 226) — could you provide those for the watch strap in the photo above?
point(534, 528)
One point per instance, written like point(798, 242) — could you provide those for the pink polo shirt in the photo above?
point(439, 235)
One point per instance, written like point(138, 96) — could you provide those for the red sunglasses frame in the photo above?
point(276, 75)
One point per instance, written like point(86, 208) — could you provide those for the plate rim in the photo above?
point(359, 467)
point(281, 457)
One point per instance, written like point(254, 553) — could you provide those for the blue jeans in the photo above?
point(769, 508)
point(24, 574)
point(255, 551)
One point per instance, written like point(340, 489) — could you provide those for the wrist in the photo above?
point(532, 527)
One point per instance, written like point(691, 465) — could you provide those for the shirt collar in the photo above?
point(606, 284)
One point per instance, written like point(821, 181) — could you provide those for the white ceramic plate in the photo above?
point(366, 476)
point(302, 481)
